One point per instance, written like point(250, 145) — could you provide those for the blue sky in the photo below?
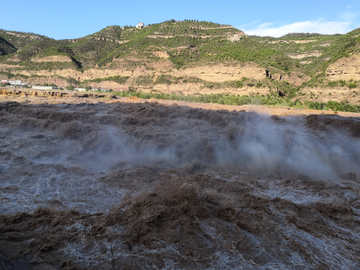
point(73, 19)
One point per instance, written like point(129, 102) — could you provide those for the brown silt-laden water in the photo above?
point(149, 186)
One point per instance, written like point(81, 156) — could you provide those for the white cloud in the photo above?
point(252, 24)
point(347, 16)
point(319, 26)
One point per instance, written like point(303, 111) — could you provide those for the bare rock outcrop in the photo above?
point(315, 53)
point(223, 72)
point(346, 68)
point(237, 37)
point(295, 78)
point(53, 58)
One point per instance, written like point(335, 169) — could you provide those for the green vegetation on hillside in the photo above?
point(268, 100)
point(12, 41)
point(117, 79)
point(6, 47)
point(187, 43)
point(100, 48)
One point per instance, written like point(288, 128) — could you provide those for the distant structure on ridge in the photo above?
point(140, 25)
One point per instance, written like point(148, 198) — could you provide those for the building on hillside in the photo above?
point(41, 87)
point(4, 81)
point(80, 89)
point(17, 83)
point(140, 25)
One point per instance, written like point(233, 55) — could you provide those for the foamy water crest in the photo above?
point(179, 188)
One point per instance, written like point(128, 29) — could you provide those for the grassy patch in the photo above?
point(144, 80)
point(117, 79)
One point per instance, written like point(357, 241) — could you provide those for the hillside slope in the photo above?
point(186, 56)
point(12, 41)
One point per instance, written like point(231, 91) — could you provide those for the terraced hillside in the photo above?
point(12, 41)
point(191, 57)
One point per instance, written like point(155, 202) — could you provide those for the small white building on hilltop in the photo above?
point(140, 25)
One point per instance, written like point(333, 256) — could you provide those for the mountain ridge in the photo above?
point(283, 66)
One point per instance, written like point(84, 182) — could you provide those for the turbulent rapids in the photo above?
point(148, 186)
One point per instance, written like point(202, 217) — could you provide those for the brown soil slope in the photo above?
point(346, 68)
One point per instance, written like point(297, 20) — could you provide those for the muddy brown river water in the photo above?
point(149, 186)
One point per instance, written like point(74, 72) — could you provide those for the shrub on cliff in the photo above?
point(334, 105)
point(351, 108)
point(352, 85)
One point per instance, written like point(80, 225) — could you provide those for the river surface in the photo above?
point(149, 186)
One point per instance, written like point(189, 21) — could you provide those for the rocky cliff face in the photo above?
point(346, 68)
point(294, 78)
point(193, 78)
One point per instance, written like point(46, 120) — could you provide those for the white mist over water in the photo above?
point(166, 186)
point(289, 150)
point(259, 145)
